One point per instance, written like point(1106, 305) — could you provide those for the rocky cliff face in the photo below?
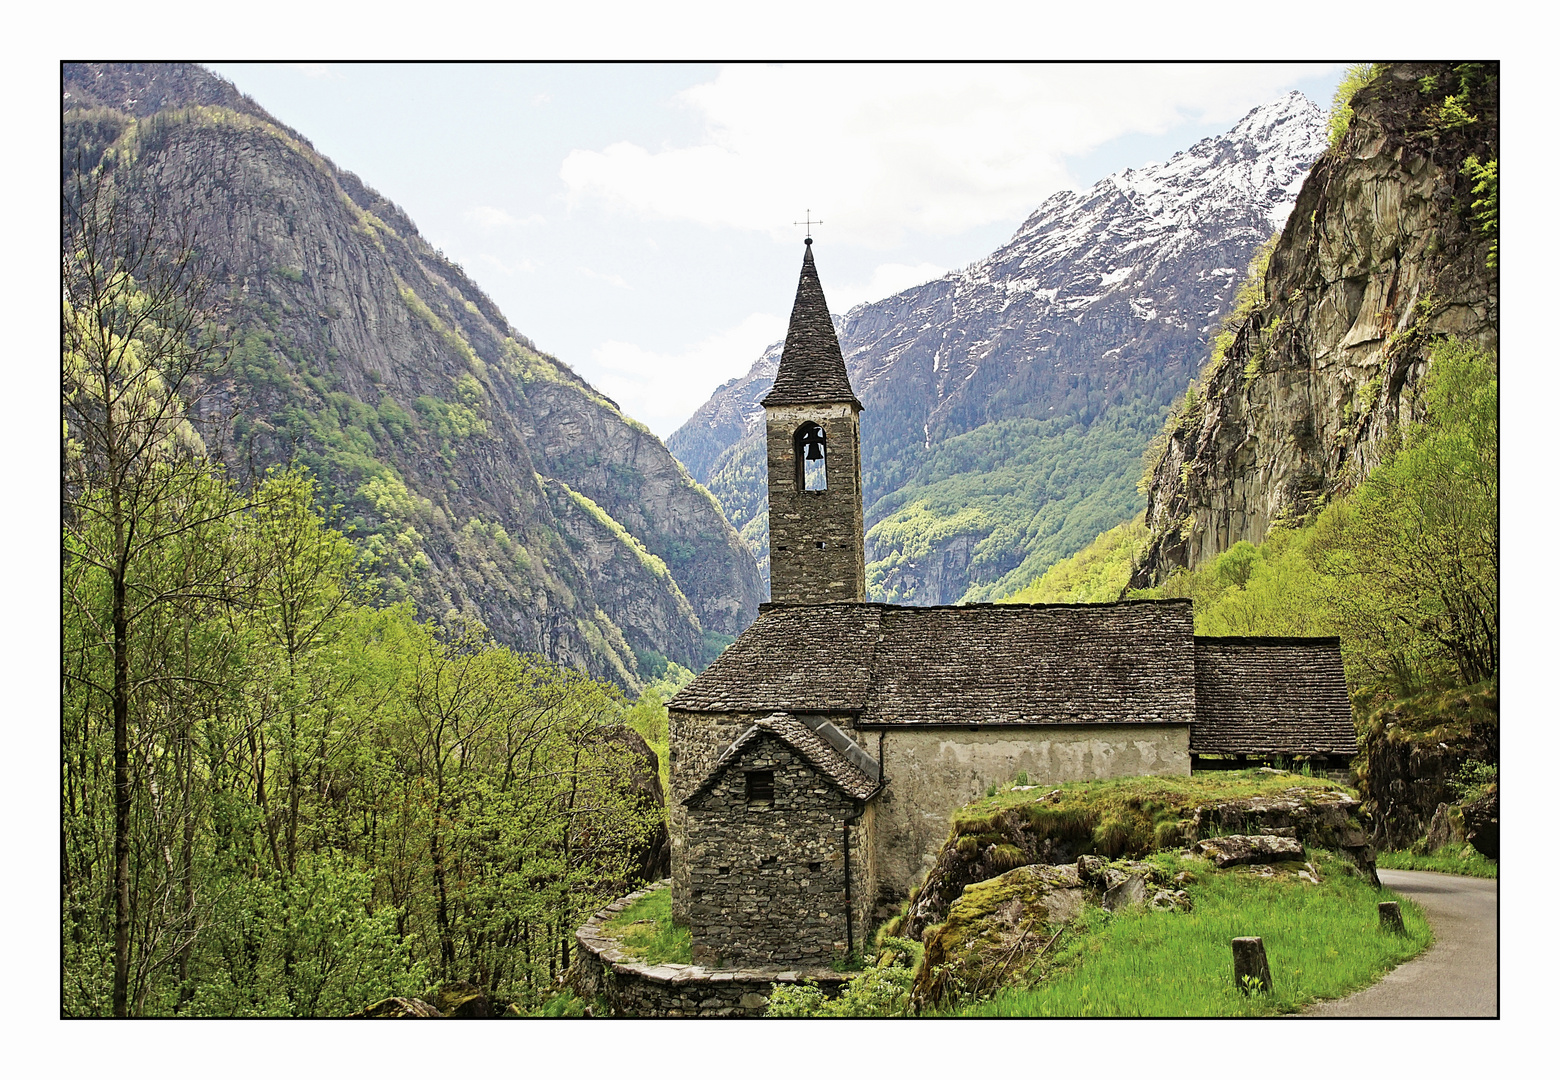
point(1379, 258)
point(478, 474)
point(1008, 404)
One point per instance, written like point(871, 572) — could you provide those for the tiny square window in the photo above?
point(761, 787)
point(814, 867)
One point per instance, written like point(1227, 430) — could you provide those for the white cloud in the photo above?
point(886, 280)
point(875, 149)
point(491, 217)
point(663, 389)
point(318, 71)
point(524, 266)
point(615, 280)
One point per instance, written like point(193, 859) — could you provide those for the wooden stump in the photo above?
point(1391, 916)
point(1251, 966)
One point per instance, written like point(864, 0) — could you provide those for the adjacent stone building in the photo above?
point(815, 764)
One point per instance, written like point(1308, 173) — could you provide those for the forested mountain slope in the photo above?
point(1008, 404)
point(479, 475)
point(1389, 250)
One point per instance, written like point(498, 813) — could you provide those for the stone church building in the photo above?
point(816, 763)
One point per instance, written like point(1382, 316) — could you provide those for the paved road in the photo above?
point(1456, 975)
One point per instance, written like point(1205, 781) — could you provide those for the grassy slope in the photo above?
point(1449, 860)
point(1096, 575)
point(645, 928)
point(1125, 815)
point(1322, 941)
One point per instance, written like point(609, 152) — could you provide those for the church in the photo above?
point(816, 763)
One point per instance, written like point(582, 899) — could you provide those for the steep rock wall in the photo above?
point(1379, 258)
point(364, 353)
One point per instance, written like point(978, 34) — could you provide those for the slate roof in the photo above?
point(1034, 664)
point(1130, 662)
point(794, 658)
point(826, 748)
point(812, 369)
point(1271, 696)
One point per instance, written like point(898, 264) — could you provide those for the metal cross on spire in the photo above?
point(809, 223)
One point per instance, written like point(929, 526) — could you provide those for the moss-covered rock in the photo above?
point(1133, 817)
point(1413, 751)
point(463, 1001)
point(996, 927)
point(398, 1008)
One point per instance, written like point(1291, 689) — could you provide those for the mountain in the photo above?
point(1007, 405)
point(1383, 255)
point(477, 474)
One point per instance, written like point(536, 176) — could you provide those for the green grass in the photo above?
point(645, 929)
point(1322, 941)
point(1137, 814)
point(1449, 860)
point(1138, 792)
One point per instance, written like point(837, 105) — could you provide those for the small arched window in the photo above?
point(812, 458)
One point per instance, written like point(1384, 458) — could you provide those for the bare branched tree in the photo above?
point(141, 512)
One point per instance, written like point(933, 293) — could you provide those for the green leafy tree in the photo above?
point(1415, 548)
point(143, 521)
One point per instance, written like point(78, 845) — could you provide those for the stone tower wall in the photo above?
point(817, 553)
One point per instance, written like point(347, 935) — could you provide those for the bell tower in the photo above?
point(816, 547)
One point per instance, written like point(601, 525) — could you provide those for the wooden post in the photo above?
point(1391, 916)
point(1251, 966)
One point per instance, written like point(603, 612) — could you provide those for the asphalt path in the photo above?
point(1456, 975)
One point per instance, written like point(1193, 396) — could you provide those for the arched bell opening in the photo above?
point(812, 458)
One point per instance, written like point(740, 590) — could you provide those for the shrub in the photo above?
point(1342, 112)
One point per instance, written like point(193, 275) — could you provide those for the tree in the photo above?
point(143, 515)
point(1416, 547)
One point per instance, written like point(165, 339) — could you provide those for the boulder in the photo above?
point(1482, 821)
point(640, 781)
point(1091, 868)
point(1130, 891)
point(1247, 850)
point(463, 1001)
point(1165, 900)
point(1446, 827)
point(996, 930)
point(398, 1008)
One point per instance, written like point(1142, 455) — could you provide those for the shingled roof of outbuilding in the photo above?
point(979, 664)
point(1271, 696)
point(829, 762)
point(812, 369)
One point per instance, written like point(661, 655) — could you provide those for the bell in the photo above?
point(814, 452)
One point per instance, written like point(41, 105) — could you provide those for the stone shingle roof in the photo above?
point(978, 664)
point(1271, 696)
point(814, 744)
point(812, 369)
point(793, 658)
point(1034, 664)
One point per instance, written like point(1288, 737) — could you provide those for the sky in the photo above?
point(640, 221)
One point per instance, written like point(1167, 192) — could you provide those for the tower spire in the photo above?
point(812, 369)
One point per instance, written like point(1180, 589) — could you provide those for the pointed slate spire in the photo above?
point(812, 369)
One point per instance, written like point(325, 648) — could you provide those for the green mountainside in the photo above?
point(475, 474)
